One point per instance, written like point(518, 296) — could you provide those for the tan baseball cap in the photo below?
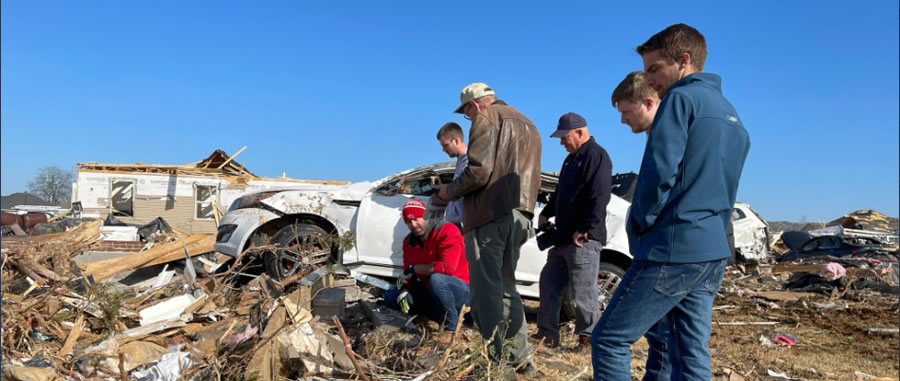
point(472, 92)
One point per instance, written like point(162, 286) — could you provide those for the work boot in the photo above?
point(443, 337)
point(583, 342)
point(548, 342)
point(527, 370)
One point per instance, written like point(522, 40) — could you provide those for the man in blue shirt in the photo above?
point(682, 203)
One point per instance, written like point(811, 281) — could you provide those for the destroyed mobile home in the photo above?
point(189, 196)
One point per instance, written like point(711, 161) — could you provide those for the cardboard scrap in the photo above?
point(139, 353)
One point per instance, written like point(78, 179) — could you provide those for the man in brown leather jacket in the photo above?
point(500, 186)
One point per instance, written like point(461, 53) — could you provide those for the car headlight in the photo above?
point(250, 200)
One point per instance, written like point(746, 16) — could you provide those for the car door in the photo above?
point(379, 227)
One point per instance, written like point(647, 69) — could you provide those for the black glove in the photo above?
point(547, 236)
point(407, 274)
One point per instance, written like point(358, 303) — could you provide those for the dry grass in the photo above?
point(833, 344)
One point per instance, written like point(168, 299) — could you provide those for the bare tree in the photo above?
point(52, 184)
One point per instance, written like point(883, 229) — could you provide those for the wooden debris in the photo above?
point(785, 296)
point(884, 331)
point(170, 251)
point(738, 323)
point(73, 337)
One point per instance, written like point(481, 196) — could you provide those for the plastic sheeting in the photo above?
point(157, 225)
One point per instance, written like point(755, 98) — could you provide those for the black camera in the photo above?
point(546, 236)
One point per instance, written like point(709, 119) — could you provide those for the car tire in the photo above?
point(608, 279)
point(298, 248)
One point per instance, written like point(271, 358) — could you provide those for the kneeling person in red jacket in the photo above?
point(435, 263)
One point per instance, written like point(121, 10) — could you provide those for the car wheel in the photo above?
point(608, 279)
point(298, 247)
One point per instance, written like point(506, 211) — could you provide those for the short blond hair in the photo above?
point(449, 131)
point(634, 88)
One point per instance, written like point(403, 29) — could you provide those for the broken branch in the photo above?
point(349, 349)
point(462, 313)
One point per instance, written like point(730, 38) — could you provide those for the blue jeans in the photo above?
point(661, 351)
point(650, 291)
point(439, 302)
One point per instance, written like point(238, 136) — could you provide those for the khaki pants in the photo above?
point(492, 250)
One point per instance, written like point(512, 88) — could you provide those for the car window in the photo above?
point(834, 242)
point(417, 187)
point(811, 244)
point(737, 214)
point(623, 185)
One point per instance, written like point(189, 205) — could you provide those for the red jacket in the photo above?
point(444, 247)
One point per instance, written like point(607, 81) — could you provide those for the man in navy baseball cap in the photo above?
point(579, 206)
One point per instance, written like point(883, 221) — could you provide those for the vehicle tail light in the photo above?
point(853, 250)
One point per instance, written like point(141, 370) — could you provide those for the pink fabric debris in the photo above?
point(243, 336)
point(833, 271)
point(784, 340)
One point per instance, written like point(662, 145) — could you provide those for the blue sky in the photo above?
point(356, 91)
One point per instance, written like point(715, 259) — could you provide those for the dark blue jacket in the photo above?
point(581, 196)
point(689, 176)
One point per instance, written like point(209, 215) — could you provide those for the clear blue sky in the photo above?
point(356, 91)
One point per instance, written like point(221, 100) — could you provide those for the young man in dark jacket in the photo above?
point(682, 203)
point(579, 205)
point(436, 272)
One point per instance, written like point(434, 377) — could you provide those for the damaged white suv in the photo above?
point(301, 227)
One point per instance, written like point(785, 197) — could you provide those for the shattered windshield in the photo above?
point(418, 184)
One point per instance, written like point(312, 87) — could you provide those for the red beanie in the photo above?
point(413, 209)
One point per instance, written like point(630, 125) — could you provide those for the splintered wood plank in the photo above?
point(231, 157)
point(73, 337)
point(170, 251)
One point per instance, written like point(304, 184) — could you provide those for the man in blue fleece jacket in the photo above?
point(682, 203)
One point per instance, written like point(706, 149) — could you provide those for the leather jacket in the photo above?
point(504, 171)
